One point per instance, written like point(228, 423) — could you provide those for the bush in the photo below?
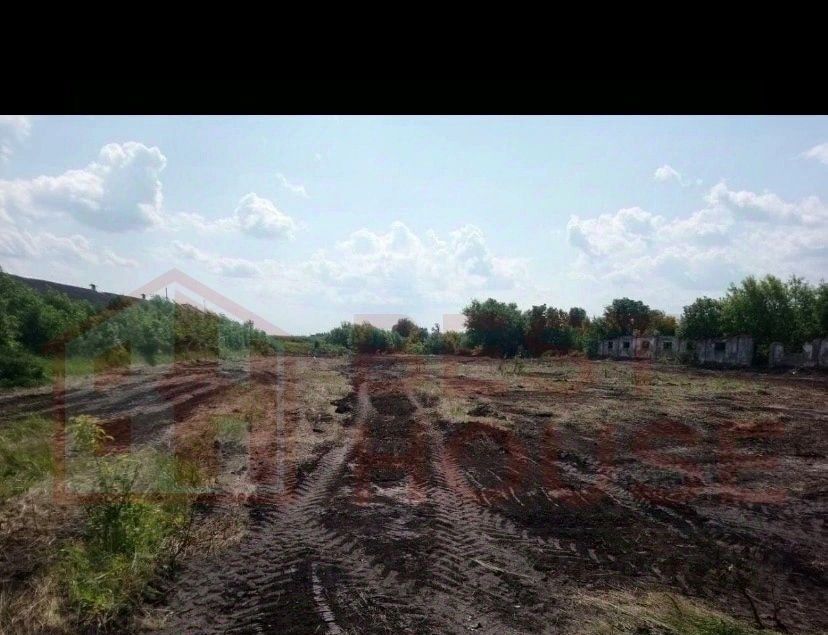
point(19, 368)
point(367, 338)
point(125, 539)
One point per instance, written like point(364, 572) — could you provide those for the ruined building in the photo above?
point(725, 351)
point(814, 354)
point(728, 351)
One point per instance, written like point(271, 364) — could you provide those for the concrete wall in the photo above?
point(814, 354)
point(644, 347)
point(732, 351)
point(667, 347)
point(649, 347)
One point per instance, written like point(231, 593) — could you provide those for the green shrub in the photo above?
point(19, 368)
point(125, 539)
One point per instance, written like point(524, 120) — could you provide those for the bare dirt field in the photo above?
point(404, 494)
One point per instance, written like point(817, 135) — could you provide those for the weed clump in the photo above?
point(127, 538)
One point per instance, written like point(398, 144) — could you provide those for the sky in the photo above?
point(309, 221)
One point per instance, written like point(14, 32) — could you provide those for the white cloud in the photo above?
point(819, 152)
point(254, 215)
point(398, 267)
point(221, 265)
point(13, 130)
point(666, 173)
point(119, 191)
point(296, 188)
point(259, 216)
point(627, 232)
point(369, 268)
point(737, 233)
point(767, 206)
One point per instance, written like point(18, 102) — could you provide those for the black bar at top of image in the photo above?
point(526, 97)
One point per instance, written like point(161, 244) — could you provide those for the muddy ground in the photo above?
point(407, 494)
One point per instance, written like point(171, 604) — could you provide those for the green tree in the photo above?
point(761, 308)
point(578, 317)
point(547, 329)
point(821, 309)
point(662, 324)
point(597, 331)
point(803, 300)
point(702, 319)
point(495, 326)
point(627, 317)
point(405, 328)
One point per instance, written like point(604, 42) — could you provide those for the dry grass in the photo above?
point(620, 612)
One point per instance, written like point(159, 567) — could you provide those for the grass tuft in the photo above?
point(26, 455)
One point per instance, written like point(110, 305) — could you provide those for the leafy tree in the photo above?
point(761, 308)
point(547, 329)
point(595, 333)
point(627, 317)
point(405, 328)
point(804, 301)
point(578, 317)
point(662, 324)
point(821, 308)
point(495, 326)
point(702, 319)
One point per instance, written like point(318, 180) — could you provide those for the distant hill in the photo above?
point(98, 299)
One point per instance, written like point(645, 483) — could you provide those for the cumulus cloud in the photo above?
point(627, 232)
point(259, 216)
point(13, 130)
point(736, 233)
point(254, 215)
point(119, 191)
point(384, 268)
point(296, 188)
point(819, 152)
point(398, 266)
point(666, 173)
point(767, 206)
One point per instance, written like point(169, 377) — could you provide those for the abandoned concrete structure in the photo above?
point(814, 354)
point(731, 351)
point(645, 347)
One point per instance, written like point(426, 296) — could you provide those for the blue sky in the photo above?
point(308, 221)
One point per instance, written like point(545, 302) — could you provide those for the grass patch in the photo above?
point(230, 430)
point(620, 612)
point(25, 455)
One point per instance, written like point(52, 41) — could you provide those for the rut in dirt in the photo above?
point(374, 539)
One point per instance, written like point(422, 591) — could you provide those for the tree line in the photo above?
point(768, 309)
point(34, 325)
